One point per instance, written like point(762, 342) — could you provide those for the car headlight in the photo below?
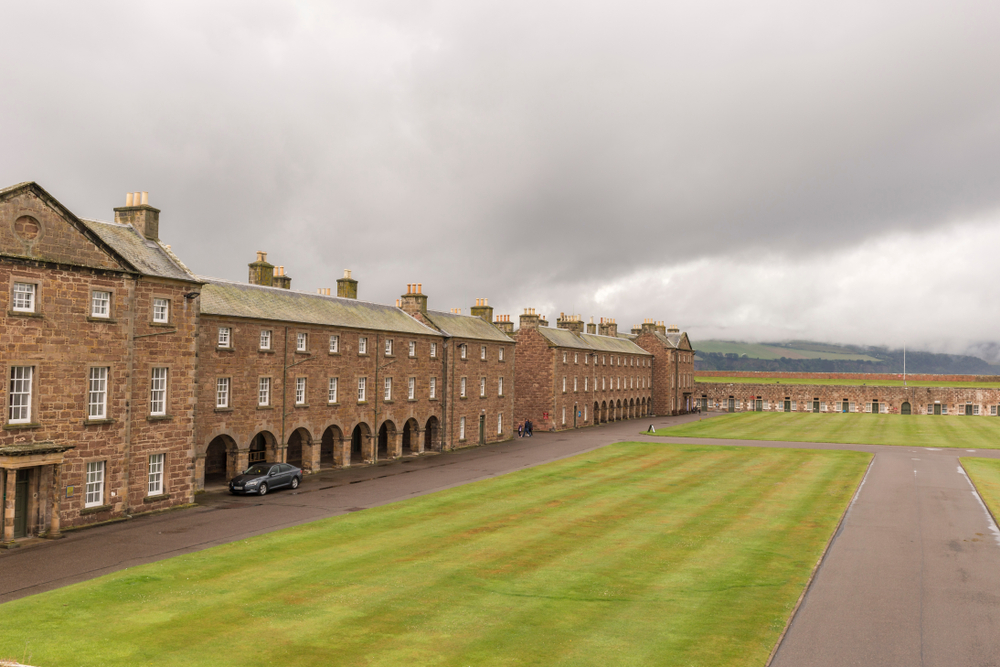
point(253, 483)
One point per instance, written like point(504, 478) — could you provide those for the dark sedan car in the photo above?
point(263, 477)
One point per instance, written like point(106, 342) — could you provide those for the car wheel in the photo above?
point(295, 482)
point(263, 489)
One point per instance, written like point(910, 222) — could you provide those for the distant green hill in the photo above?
point(812, 357)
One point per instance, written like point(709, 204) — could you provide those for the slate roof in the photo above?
point(222, 297)
point(466, 326)
point(592, 342)
point(151, 258)
point(674, 340)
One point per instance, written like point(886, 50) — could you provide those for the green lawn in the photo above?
point(986, 475)
point(634, 554)
point(857, 428)
point(845, 383)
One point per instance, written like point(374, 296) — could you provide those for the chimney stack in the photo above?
point(504, 324)
point(414, 301)
point(138, 213)
point(591, 327)
point(570, 323)
point(608, 327)
point(674, 329)
point(648, 326)
point(261, 273)
point(347, 287)
point(279, 279)
point(661, 328)
point(529, 320)
point(482, 309)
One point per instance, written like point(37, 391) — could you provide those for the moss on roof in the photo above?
point(149, 257)
point(221, 297)
point(592, 342)
point(466, 326)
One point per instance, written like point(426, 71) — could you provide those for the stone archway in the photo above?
point(596, 414)
point(411, 438)
point(361, 448)
point(388, 444)
point(331, 447)
point(262, 448)
point(905, 409)
point(431, 431)
point(221, 461)
point(300, 449)
point(604, 412)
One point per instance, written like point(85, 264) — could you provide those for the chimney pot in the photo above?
point(145, 199)
point(128, 198)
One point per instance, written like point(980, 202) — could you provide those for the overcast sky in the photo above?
point(753, 171)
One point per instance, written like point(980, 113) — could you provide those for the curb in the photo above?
point(812, 575)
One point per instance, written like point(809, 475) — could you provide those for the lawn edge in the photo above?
point(975, 488)
point(819, 562)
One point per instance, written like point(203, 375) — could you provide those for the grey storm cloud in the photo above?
point(746, 170)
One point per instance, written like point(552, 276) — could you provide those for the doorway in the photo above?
point(815, 405)
point(788, 405)
point(21, 503)
point(937, 408)
point(482, 429)
point(732, 405)
point(904, 409)
point(875, 407)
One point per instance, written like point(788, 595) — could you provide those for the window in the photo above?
point(334, 344)
point(603, 378)
point(461, 388)
point(331, 392)
point(500, 424)
point(19, 411)
point(585, 383)
point(500, 354)
point(387, 393)
point(585, 411)
point(161, 311)
point(944, 409)
point(461, 428)
point(413, 348)
point(95, 484)
point(975, 409)
point(432, 388)
point(362, 389)
point(564, 384)
point(499, 386)
point(158, 392)
point(388, 347)
point(482, 352)
point(586, 359)
point(482, 387)
point(97, 394)
point(265, 339)
point(264, 392)
point(362, 345)
point(434, 350)
point(222, 393)
point(576, 358)
point(23, 300)
point(993, 410)
point(411, 388)
point(603, 360)
point(300, 391)
point(564, 416)
point(463, 351)
point(225, 335)
point(564, 357)
point(301, 342)
point(156, 474)
point(574, 382)
point(100, 304)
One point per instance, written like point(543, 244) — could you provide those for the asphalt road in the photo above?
point(911, 578)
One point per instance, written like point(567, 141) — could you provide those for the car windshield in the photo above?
point(257, 470)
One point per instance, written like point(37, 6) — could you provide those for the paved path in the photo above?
point(221, 518)
point(913, 576)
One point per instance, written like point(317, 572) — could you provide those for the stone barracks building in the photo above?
point(131, 381)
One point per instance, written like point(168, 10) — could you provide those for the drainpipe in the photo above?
point(284, 376)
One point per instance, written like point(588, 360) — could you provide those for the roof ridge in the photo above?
point(283, 290)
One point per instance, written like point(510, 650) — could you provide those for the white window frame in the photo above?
point(331, 390)
point(434, 350)
point(20, 394)
point(432, 387)
point(263, 392)
point(482, 387)
point(335, 344)
point(461, 428)
point(222, 393)
point(161, 311)
point(158, 391)
point(362, 345)
point(500, 353)
point(100, 304)
point(362, 389)
point(461, 388)
point(586, 382)
point(387, 389)
point(388, 347)
point(500, 386)
point(154, 485)
point(24, 296)
point(565, 356)
point(94, 486)
point(575, 379)
point(463, 351)
point(564, 415)
point(411, 388)
point(300, 391)
point(265, 339)
point(97, 393)
point(499, 423)
point(482, 353)
point(413, 348)
point(564, 384)
point(225, 337)
point(301, 341)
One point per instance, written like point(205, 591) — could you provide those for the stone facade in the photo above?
point(80, 442)
point(673, 367)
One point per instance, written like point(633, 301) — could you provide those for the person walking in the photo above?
point(520, 429)
point(529, 428)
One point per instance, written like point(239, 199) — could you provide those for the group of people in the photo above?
point(525, 428)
